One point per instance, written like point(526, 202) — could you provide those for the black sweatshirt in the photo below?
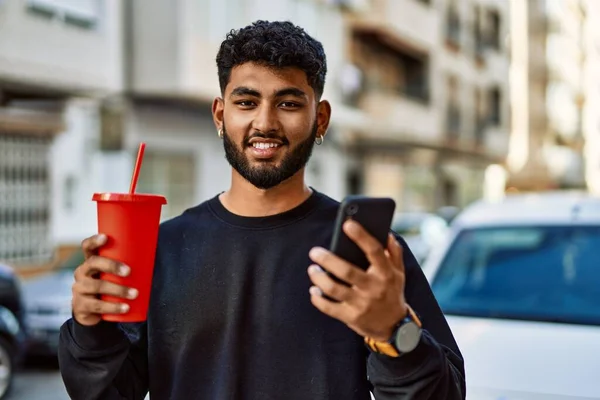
point(230, 318)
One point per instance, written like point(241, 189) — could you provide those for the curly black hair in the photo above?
point(276, 44)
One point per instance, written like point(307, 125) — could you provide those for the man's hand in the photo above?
point(87, 306)
point(374, 303)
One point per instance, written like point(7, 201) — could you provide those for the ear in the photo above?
point(323, 117)
point(217, 112)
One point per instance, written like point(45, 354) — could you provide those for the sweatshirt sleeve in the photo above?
point(435, 368)
point(107, 361)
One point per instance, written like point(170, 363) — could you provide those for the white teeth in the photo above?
point(263, 145)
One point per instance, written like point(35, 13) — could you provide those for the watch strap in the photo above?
point(388, 348)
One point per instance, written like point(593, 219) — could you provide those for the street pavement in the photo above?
point(40, 381)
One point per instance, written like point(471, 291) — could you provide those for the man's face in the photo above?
point(270, 119)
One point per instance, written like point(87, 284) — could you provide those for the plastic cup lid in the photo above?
point(137, 197)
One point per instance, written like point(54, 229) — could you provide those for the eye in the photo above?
point(245, 103)
point(290, 104)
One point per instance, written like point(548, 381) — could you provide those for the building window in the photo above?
point(25, 194)
point(415, 72)
point(389, 69)
point(453, 26)
point(81, 13)
point(449, 192)
point(478, 37)
point(111, 125)
point(494, 30)
point(171, 175)
point(70, 190)
point(453, 122)
point(480, 120)
point(495, 101)
point(453, 110)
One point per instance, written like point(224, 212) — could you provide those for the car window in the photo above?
point(546, 273)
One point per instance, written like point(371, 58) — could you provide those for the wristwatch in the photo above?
point(405, 337)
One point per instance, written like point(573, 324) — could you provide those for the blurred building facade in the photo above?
point(431, 106)
point(83, 82)
point(57, 59)
point(591, 106)
point(419, 90)
point(555, 90)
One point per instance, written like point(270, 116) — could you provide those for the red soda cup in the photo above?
point(130, 222)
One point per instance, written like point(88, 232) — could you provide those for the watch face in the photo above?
point(408, 337)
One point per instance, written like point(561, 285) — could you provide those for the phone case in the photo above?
point(375, 214)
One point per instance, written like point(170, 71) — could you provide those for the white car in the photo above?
point(519, 282)
point(421, 231)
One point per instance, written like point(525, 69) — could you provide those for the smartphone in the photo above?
point(375, 214)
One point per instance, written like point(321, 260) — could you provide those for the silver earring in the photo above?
point(221, 133)
point(319, 140)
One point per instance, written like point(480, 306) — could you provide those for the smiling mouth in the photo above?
point(265, 145)
point(264, 149)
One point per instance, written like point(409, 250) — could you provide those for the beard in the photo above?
point(267, 175)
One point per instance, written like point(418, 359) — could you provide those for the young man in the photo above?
point(237, 308)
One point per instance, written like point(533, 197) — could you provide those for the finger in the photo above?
point(91, 245)
point(374, 251)
point(98, 286)
point(96, 264)
point(396, 251)
point(339, 267)
point(328, 286)
point(90, 305)
point(339, 311)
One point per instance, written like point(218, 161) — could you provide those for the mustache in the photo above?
point(261, 135)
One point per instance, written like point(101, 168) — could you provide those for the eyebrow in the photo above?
point(291, 91)
point(246, 91)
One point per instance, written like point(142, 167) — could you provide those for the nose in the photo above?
point(266, 120)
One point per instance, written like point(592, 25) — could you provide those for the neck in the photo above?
point(247, 200)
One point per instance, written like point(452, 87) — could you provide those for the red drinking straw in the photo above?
point(136, 170)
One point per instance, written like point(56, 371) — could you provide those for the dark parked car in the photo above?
point(48, 306)
point(13, 338)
